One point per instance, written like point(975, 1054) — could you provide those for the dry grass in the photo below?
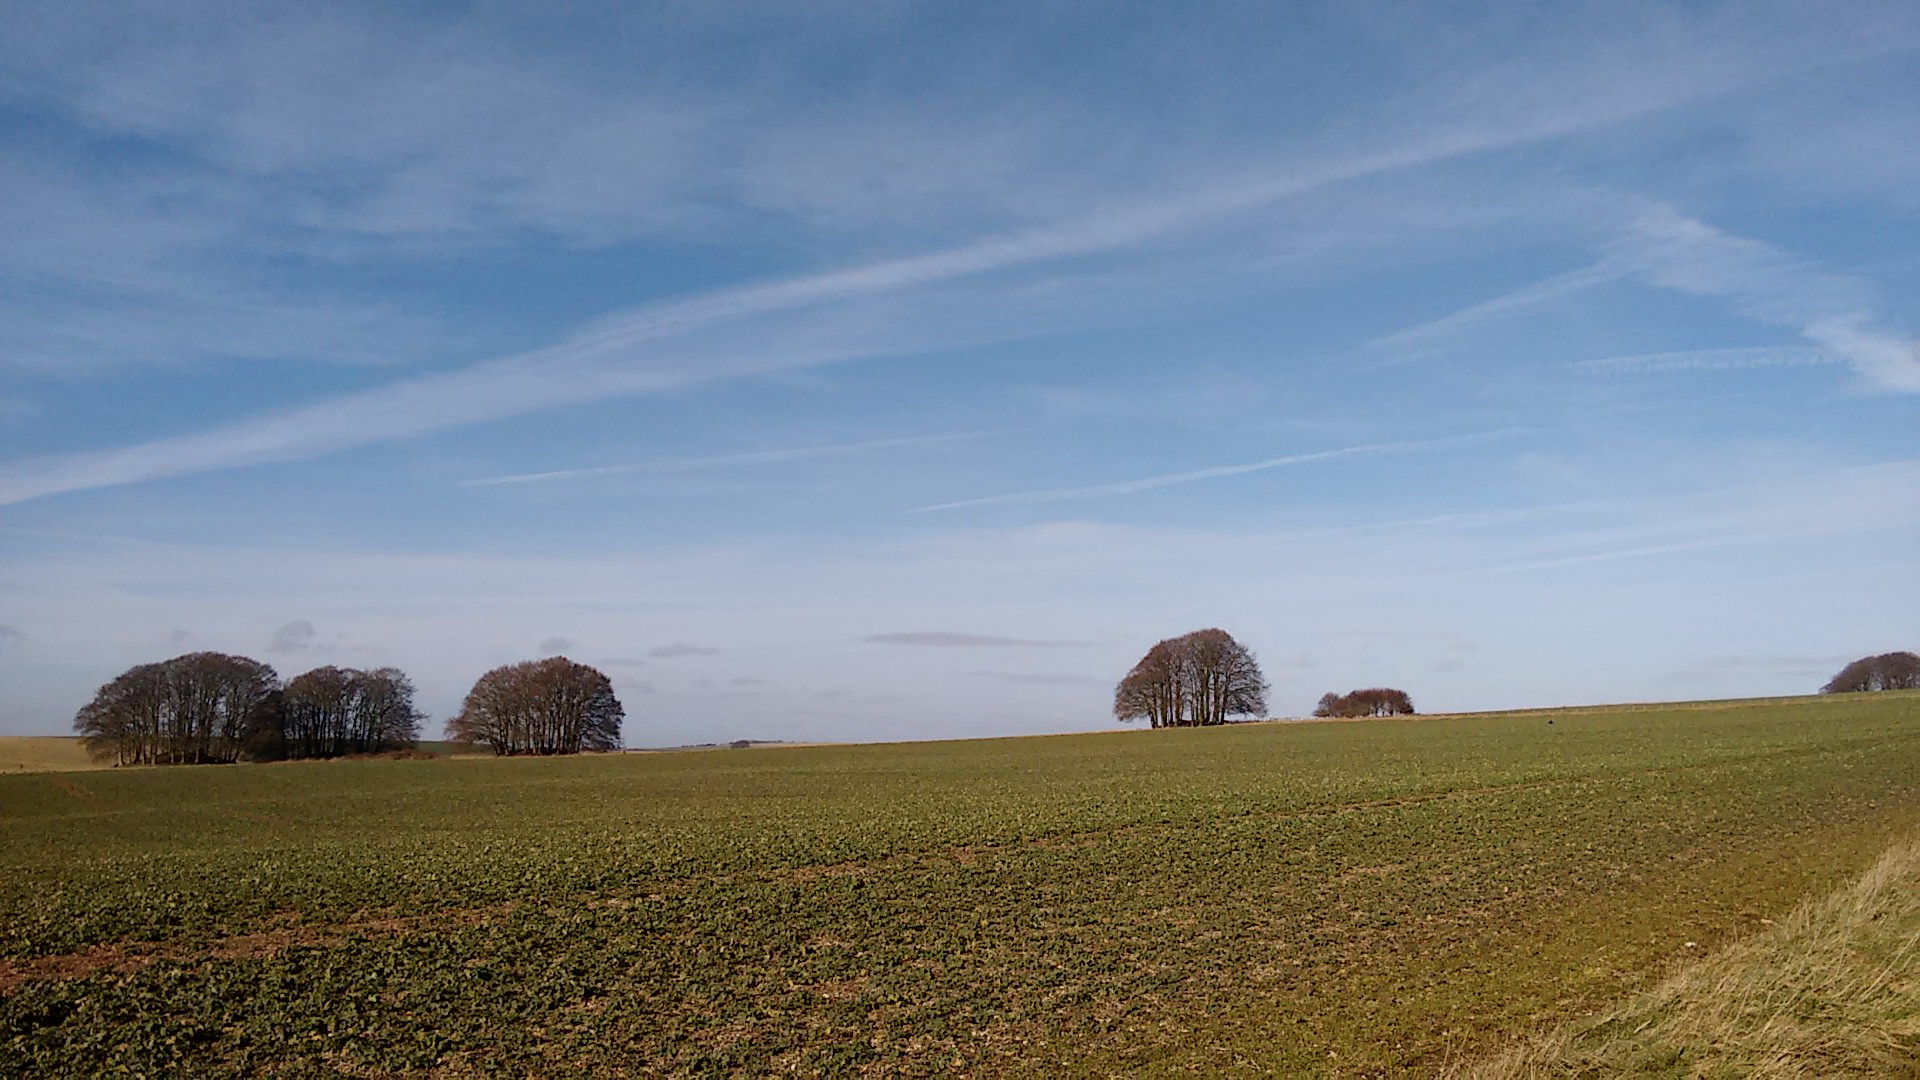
point(1831, 991)
point(44, 753)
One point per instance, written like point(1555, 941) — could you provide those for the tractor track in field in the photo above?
point(127, 958)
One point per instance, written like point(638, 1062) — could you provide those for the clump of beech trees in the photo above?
point(1888, 671)
point(551, 706)
point(201, 708)
point(213, 708)
point(1373, 701)
point(333, 711)
point(1195, 680)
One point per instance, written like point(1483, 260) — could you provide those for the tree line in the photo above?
point(213, 708)
point(1373, 701)
point(209, 707)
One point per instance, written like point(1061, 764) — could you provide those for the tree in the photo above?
point(1373, 701)
point(204, 707)
point(551, 706)
point(1152, 689)
point(127, 717)
point(1888, 671)
point(384, 717)
point(1195, 680)
point(331, 711)
point(314, 712)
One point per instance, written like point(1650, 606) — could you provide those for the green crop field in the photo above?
point(1353, 898)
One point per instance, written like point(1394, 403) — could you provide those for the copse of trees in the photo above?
point(1195, 680)
point(201, 708)
point(1888, 671)
point(551, 706)
point(333, 711)
point(1373, 701)
point(207, 707)
point(212, 708)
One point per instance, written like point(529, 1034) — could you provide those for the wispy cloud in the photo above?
point(1151, 483)
point(1444, 333)
point(1839, 316)
point(1879, 499)
point(758, 457)
point(1767, 356)
point(679, 649)
point(1776, 663)
point(952, 639)
point(1812, 669)
point(1034, 678)
point(1643, 552)
point(1834, 312)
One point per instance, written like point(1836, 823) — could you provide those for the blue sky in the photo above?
point(877, 371)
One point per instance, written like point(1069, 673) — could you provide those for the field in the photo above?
point(49, 753)
point(1353, 898)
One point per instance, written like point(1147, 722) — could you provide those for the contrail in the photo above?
point(671, 465)
point(1149, 483)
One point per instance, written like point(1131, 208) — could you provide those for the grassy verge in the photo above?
point(1833, 990)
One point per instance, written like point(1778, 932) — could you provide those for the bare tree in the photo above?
point(1224, 678)
point(315, 708)
point(1197, 679)
point(551, 706)
point(384, 717)
point(1152, 689)
point(331, 711)
point(127, 719)
point(199, 708)
point(1888, 671)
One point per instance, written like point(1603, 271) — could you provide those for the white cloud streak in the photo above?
point(1151, 483)
point(1837, 315)
point(1833, 312)
point(1439, 335)
point(758, 457)
point(1766, 356)
point(954, 639)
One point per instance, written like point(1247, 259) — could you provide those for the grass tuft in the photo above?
point(1833, 990)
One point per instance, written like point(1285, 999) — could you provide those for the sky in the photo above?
point(894, 371)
